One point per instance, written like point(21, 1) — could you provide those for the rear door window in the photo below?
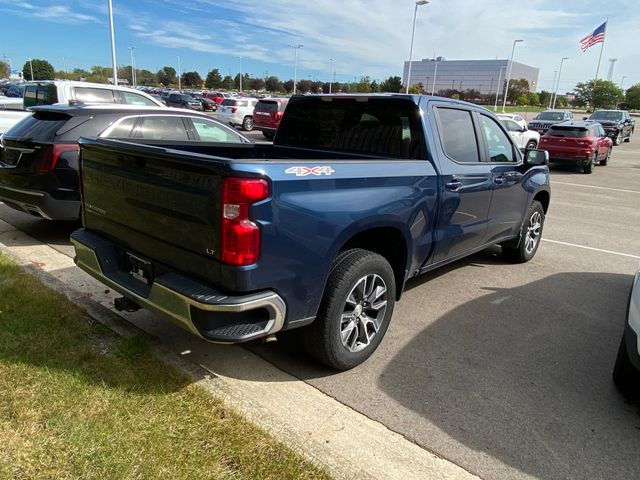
point(458, 135)
point(94, 95)
point(209, 131)
point(40, 95)
point(498, 143)
point(162, 128)
point(557, 131)
point(267, 106)
point(123, 128)
point(130, 98)
point(229, 102)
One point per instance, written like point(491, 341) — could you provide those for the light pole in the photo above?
point(622, 81)
point(555, 96)
point(413, 32)
point(31, 68)
point(495, 107)
point(553, 87)
point(330, 73)
point(295, 66)
point(506, 89)
point(133, 66)
point(435, 74)
point(240, 74)
point(113, 46)
point(179, 75)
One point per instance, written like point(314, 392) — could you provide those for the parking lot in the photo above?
point(503, 369)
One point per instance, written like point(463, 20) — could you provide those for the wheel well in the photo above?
point(543, 198)
point(387, 242)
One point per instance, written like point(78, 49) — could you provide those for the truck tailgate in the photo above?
point(159, 201)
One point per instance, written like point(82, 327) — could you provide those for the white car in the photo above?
point(519, 119)
point(237, 112)
point(525, 139)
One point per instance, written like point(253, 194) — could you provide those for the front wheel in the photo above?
point(530, 236)
point(625, 375)
point(618, 139)
point(247, 124)
point(355, 310)
point(531, 144)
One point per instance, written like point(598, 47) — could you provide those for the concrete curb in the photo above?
point(328, 433)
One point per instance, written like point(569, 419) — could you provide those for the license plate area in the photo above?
point(139, 268)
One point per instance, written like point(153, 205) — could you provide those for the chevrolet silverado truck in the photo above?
point(320, 230)
point(618, 124)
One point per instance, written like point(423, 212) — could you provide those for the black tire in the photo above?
point(588, 167)
point(628, 139)
point(530, 235)
point(625, 375)
point(247, 123)
point(618, 139)
point(531, 144)
point(605, 160)
point(268, 135)
point(323, 338)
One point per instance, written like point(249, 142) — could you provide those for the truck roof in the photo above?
point(363, 96)
point(81, 108)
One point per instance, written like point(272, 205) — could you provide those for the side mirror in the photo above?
point(523, 129)
point(585, 118)
point(536, 157)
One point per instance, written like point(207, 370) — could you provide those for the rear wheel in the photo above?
point(625, 375)
point(530, 236)
point(605, 160)
point(247, 123)
point(588, 167)
point(531, 144)
point(618, 139)
point(355, 310)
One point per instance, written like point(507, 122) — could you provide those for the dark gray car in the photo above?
point(546, 119)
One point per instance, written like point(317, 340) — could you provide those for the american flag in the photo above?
point(597, 36)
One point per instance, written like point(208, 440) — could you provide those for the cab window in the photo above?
point(209, 131)
point(94, 95)
point(162, 128)
point(130, 98)
point(458, 135)
point(499, 145)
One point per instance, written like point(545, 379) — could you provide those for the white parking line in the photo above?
point(591, 248)
point(593, 186)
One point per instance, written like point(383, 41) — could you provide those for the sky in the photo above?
point(364, 38)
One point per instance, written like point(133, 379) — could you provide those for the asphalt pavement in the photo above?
point(503, 369)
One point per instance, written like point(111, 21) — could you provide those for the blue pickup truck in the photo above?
point(319, 231)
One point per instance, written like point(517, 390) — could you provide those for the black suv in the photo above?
point(39, 155)
point(617, 123)
point(182, 100)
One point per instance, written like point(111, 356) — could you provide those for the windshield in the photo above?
point(567, 132)
point(550, 116)
point(606, 115)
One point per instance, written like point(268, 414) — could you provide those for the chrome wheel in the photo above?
point(533, 232)
point(363, 312)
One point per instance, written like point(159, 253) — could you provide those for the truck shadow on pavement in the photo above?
point(530, 388)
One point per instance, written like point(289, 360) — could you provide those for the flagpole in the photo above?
point(604, 38)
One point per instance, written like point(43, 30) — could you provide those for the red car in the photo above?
point(216, 97)
point(267, 115)
point(583, 144)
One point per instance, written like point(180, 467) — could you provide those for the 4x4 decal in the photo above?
point(304, 171)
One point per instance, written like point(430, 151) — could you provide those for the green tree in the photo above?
point(632, 97)
point(191, 79)
point(145, 77)
point(416, 89)
point(227, 82)
point(288, 86)
point(42, 70)
point(214, 79)
point(516, 88)
point(273, 84)
point(375, 86)
point(256, 84)
point(598, 94)
point(167, 76)
point(5, 71)
point(391, 84)
point(522, 100)
point(533, 99)
point(543, 98)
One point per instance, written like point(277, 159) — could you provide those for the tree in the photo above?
point(533, 99)
point(145, 77)
point(5, 71)
point(227, 82)
point(416, 88)
point(191, 79)
point(544, 97)
point(288, 86)
point(42, 70)
point(632, 97)
point(600, 94)
point(273, 84)
point(166, 76)
point(214, 79)
point(256, 84)
point(391, 84)
point(375, 87)
point(516, 88)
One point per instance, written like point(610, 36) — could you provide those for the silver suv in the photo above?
point(237, 112)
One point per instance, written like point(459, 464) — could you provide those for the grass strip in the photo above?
point(78, 401)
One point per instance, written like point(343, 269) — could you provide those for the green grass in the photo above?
point(78, 401)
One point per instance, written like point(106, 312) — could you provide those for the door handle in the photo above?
point(499, 180)
point(454, 185)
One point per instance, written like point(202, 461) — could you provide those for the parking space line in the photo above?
point(593, 186)
point(591, 248)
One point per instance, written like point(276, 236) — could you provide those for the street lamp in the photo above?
point(179, 75)
point(295, 66)
point(113, 46)
point(31, 67)
point(413, 32)
point(133, 66)
point(495, 107)
point(506, 90)
point(553, 86)
point(555, 96)
point(330, 73)
point(240, 74)
point(622, 81)
point(435, 74)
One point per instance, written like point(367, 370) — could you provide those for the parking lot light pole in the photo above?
point(506, 89)
point(495, 107)
point(553, 87)
point(555, 95)
point(295, 66)
point(413, 33)
point(330, 73)
point(133, 67)
point(113, 45)
point(179, 75)
point(31, 67)
point(435, 74)
point(240, 74)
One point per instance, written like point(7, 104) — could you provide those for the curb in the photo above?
point(346, 443)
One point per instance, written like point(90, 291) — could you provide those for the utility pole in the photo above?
point(295, 66)
point(506, 89)
point(179, 75)
point(31, 67)
point(113, 45)
point(330, 73)
point(133, 66)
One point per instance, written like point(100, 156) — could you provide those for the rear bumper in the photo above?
point(198, 308)
point(577, 159)
point(39, 203)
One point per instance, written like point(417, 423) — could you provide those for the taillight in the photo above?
point(278, 115)
point(51, 155)
point(234, 109)
point(240, 236)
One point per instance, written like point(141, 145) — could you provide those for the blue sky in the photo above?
point(364, 37)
